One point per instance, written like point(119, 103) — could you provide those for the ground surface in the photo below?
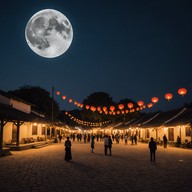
point(128, 169)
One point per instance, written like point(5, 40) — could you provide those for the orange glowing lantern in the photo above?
point(112, 108)
point(58, 93)
point(150, 105)
point(75, 102)
point(155, 99)
point(93, 108)
point(140, 103)
point(70, 100)
point(63, 97)
point(118, 112)
point(104, 108)
point(168, 96)
point(182, 91)
point(66, 113)
point(87, 106)
point(130, 105)
point(98, 108)
point(121, 106)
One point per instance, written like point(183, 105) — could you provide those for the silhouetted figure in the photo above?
point(67, 145)
point(132, 139)
point(60, 138)
point(105, 144)
point(153, 148)
point(92, 143)
point(135, 139)
point(110, 144)
point(178, 141)
point(126, 139)
point(165, 141)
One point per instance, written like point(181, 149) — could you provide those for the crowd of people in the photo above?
point(108, 140)
point(116, 138)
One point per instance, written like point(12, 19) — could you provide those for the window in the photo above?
point(147, 133)
point(43, 130)
point(34, 130)
point(171, 134)
point(188, 131)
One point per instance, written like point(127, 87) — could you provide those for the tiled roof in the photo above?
point(162, 117)
point(9, 96)
point(181, 116)
point(8, 113)
point(182, 119)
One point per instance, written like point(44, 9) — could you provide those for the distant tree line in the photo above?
point(45, 103)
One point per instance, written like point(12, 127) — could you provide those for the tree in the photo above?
point(99, 99)
point(39, 97)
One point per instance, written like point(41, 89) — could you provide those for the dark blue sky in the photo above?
point(130, 49)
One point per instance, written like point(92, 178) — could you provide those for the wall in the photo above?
point(21, 106)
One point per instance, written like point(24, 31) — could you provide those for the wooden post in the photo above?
point(18, 124)
point(1, 133)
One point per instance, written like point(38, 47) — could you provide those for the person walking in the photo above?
point(92, 143)
point(67, 145)
point(178, 143)
point(165, 141)
point(105, 144)
point(153, 148)
point(135, 139)
point(60, 138)
point(110, 144)
point(126, 139)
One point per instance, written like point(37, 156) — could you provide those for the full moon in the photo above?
point(49, 33)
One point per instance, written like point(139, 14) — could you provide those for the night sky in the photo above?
point(130, 49)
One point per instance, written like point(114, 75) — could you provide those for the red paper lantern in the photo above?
point(70, 100)
point(106, 112)
point(130, 105)
point(58, 93)
point(140, 103)
point(155, 99)
point(121, 106)
point(150, 105)
point(63, 97)
point(104, 108)
point(182, 91)
point(112, 108)
point(168, 96)
point(93, 108)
